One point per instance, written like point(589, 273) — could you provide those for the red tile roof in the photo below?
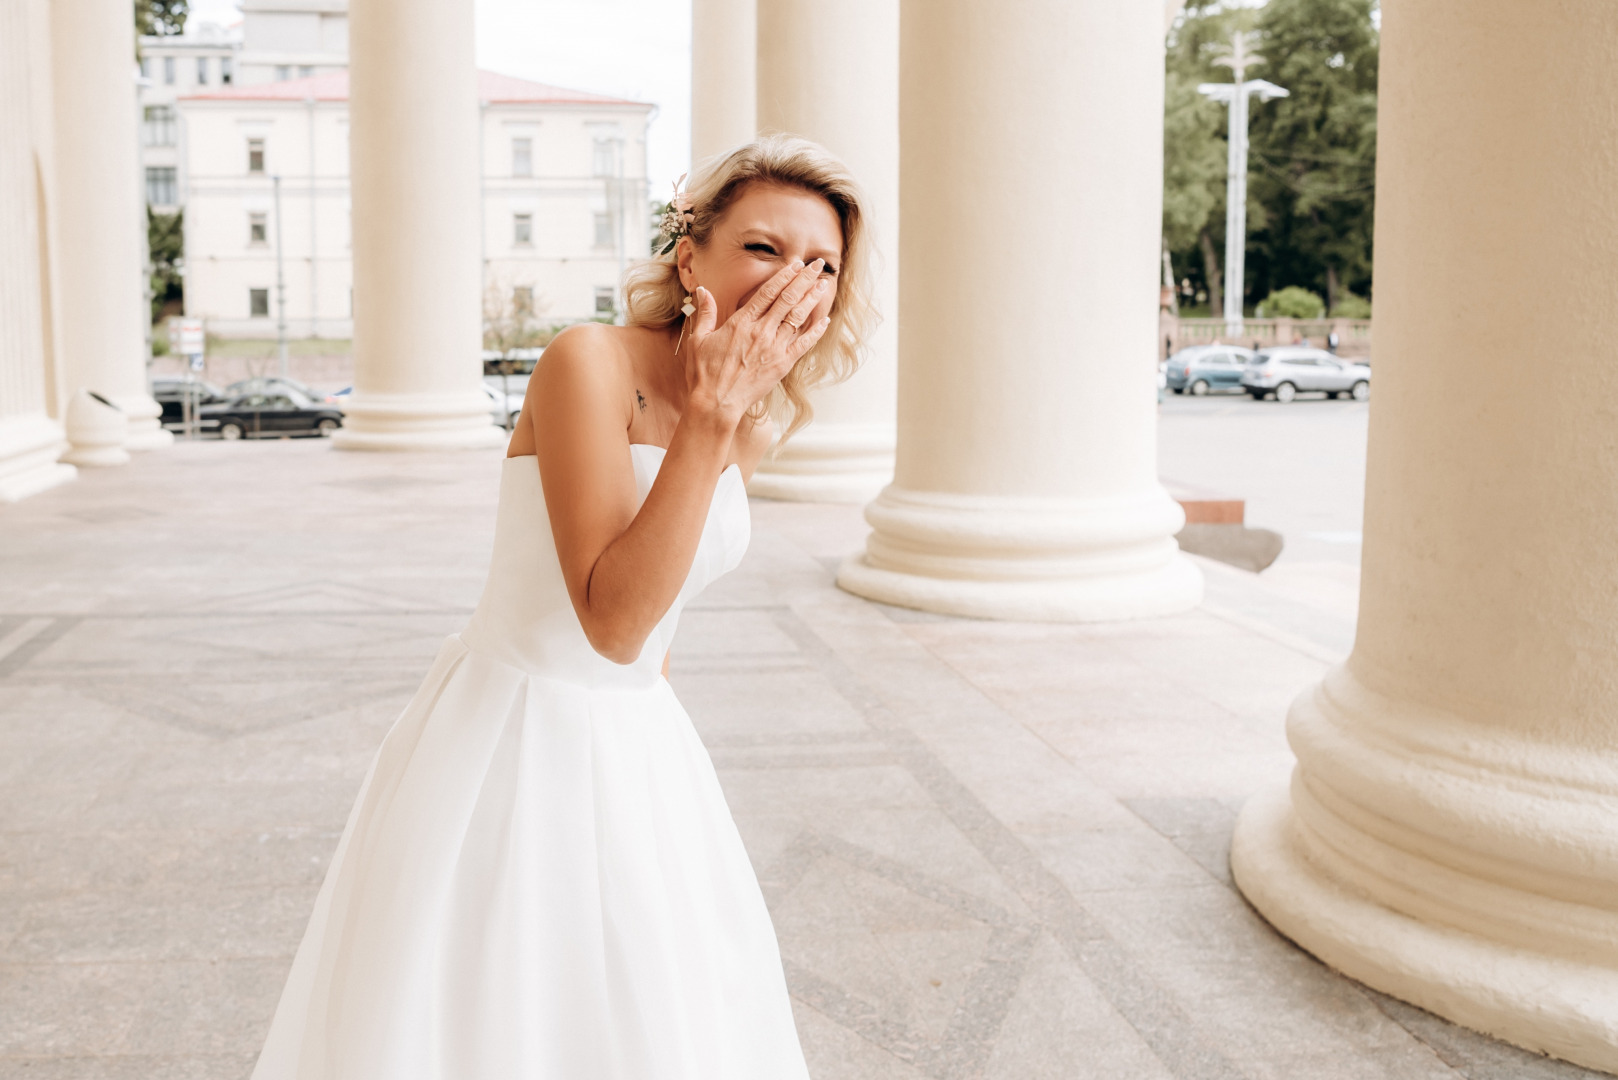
point(494, 88)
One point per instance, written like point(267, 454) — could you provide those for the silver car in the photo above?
point(1289, 370)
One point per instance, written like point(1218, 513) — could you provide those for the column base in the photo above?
point(1042, 560)
point(459, 421)
point(29, 449)
point(146, 431)
point(828, 462)
point(1548, 1004)
point(1465, 867)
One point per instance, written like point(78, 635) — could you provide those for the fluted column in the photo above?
point(99, 212)
point(1451, 832)
point(413, 163)
point(829, 70)
point(1030, 190)
point(723, 39)
point(30, 436)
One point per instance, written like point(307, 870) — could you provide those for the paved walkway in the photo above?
point(991, 850)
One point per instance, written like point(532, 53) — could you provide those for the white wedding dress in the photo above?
point(540, 879)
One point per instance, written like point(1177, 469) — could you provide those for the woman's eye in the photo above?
point(762, 249)
point(829, 271)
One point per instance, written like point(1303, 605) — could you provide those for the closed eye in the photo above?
point(762, 249)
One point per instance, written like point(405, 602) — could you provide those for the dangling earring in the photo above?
point(689, 309)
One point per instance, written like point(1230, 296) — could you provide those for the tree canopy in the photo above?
point(1311, 156)
point(160, 18)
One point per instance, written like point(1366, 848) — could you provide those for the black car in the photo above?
point(272, 384)
point(170, 391)
point(273, 414)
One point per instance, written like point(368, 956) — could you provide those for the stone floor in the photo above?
point(991, 850)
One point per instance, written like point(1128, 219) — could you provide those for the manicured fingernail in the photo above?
point(797, 264)
point(819, 264)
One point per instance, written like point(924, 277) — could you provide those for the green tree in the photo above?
point(165, 240)
point(1292, 302)
point(1314, 153)
point(1312, 156)
point(160, 18)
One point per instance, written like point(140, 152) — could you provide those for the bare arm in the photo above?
point(623, 569)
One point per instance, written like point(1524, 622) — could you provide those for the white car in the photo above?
point(1289, 370)
point(503, 417)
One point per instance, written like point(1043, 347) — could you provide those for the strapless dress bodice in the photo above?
point(525, 617)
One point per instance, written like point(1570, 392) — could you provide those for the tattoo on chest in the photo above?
point(640, 399)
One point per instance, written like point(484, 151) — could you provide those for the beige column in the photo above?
point(829, 70)
point(413, 164)
point(723, 38)
point(31, 437)
point(100, 214)
point(1451, 832)
point(1030, 183)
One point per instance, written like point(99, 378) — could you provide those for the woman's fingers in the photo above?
point(707, 316)
point(807, 340)
point(771, 289)
point(793, 295)
point(798, 317)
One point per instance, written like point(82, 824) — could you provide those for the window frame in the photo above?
point(258, 228)
point(255, 156)
point(522, 156)
point(254, 297)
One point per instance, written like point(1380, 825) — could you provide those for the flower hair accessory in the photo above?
point(677, 219)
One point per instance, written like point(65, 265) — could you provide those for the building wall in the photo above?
point(307, 144)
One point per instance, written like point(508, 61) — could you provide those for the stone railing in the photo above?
point(1353, 335)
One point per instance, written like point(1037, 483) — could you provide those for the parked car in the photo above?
point(284, 412)
point(1199, 369)
point(1289, 370)
point(170, 391)
point(513, 403)
point(274, 384)
point(506, 417)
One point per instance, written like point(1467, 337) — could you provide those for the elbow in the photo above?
point(618, 644)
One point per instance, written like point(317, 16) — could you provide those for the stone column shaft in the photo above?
point(723, 39)
point(828, 70)
point(1030, 181)
point(414, 166)
point(100, 216)
point(1451, 832)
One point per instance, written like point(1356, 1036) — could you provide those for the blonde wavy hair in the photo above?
point(653, 294)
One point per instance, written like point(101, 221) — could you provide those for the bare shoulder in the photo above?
point(753, 440)
point(583, 371)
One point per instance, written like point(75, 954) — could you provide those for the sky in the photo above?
point(639, 49)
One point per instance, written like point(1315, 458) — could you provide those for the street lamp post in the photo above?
point(1235, 94)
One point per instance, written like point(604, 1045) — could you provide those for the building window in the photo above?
point(258, 303)
point(522, 229)
point(522, 299)
point(146, 67)
point(161, 188)
point(168, 71)
point(255, 156)
point(283, 72)
point(257, 229)
point(522, 157)
point(604, 162)
point(202, 71)
point(227, 71)
point(605, 304)
point(305, 70)
point(603, 230)
point(159, 125)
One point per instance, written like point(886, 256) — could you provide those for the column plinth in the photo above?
point(1025, 485)
point(418, 269)
point(1450, 834)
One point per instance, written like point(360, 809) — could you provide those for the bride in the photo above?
point(540, 877)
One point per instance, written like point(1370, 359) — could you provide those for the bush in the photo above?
point(1350, 306)
point(1292, 302)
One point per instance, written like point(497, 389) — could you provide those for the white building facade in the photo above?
point(564, 200)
